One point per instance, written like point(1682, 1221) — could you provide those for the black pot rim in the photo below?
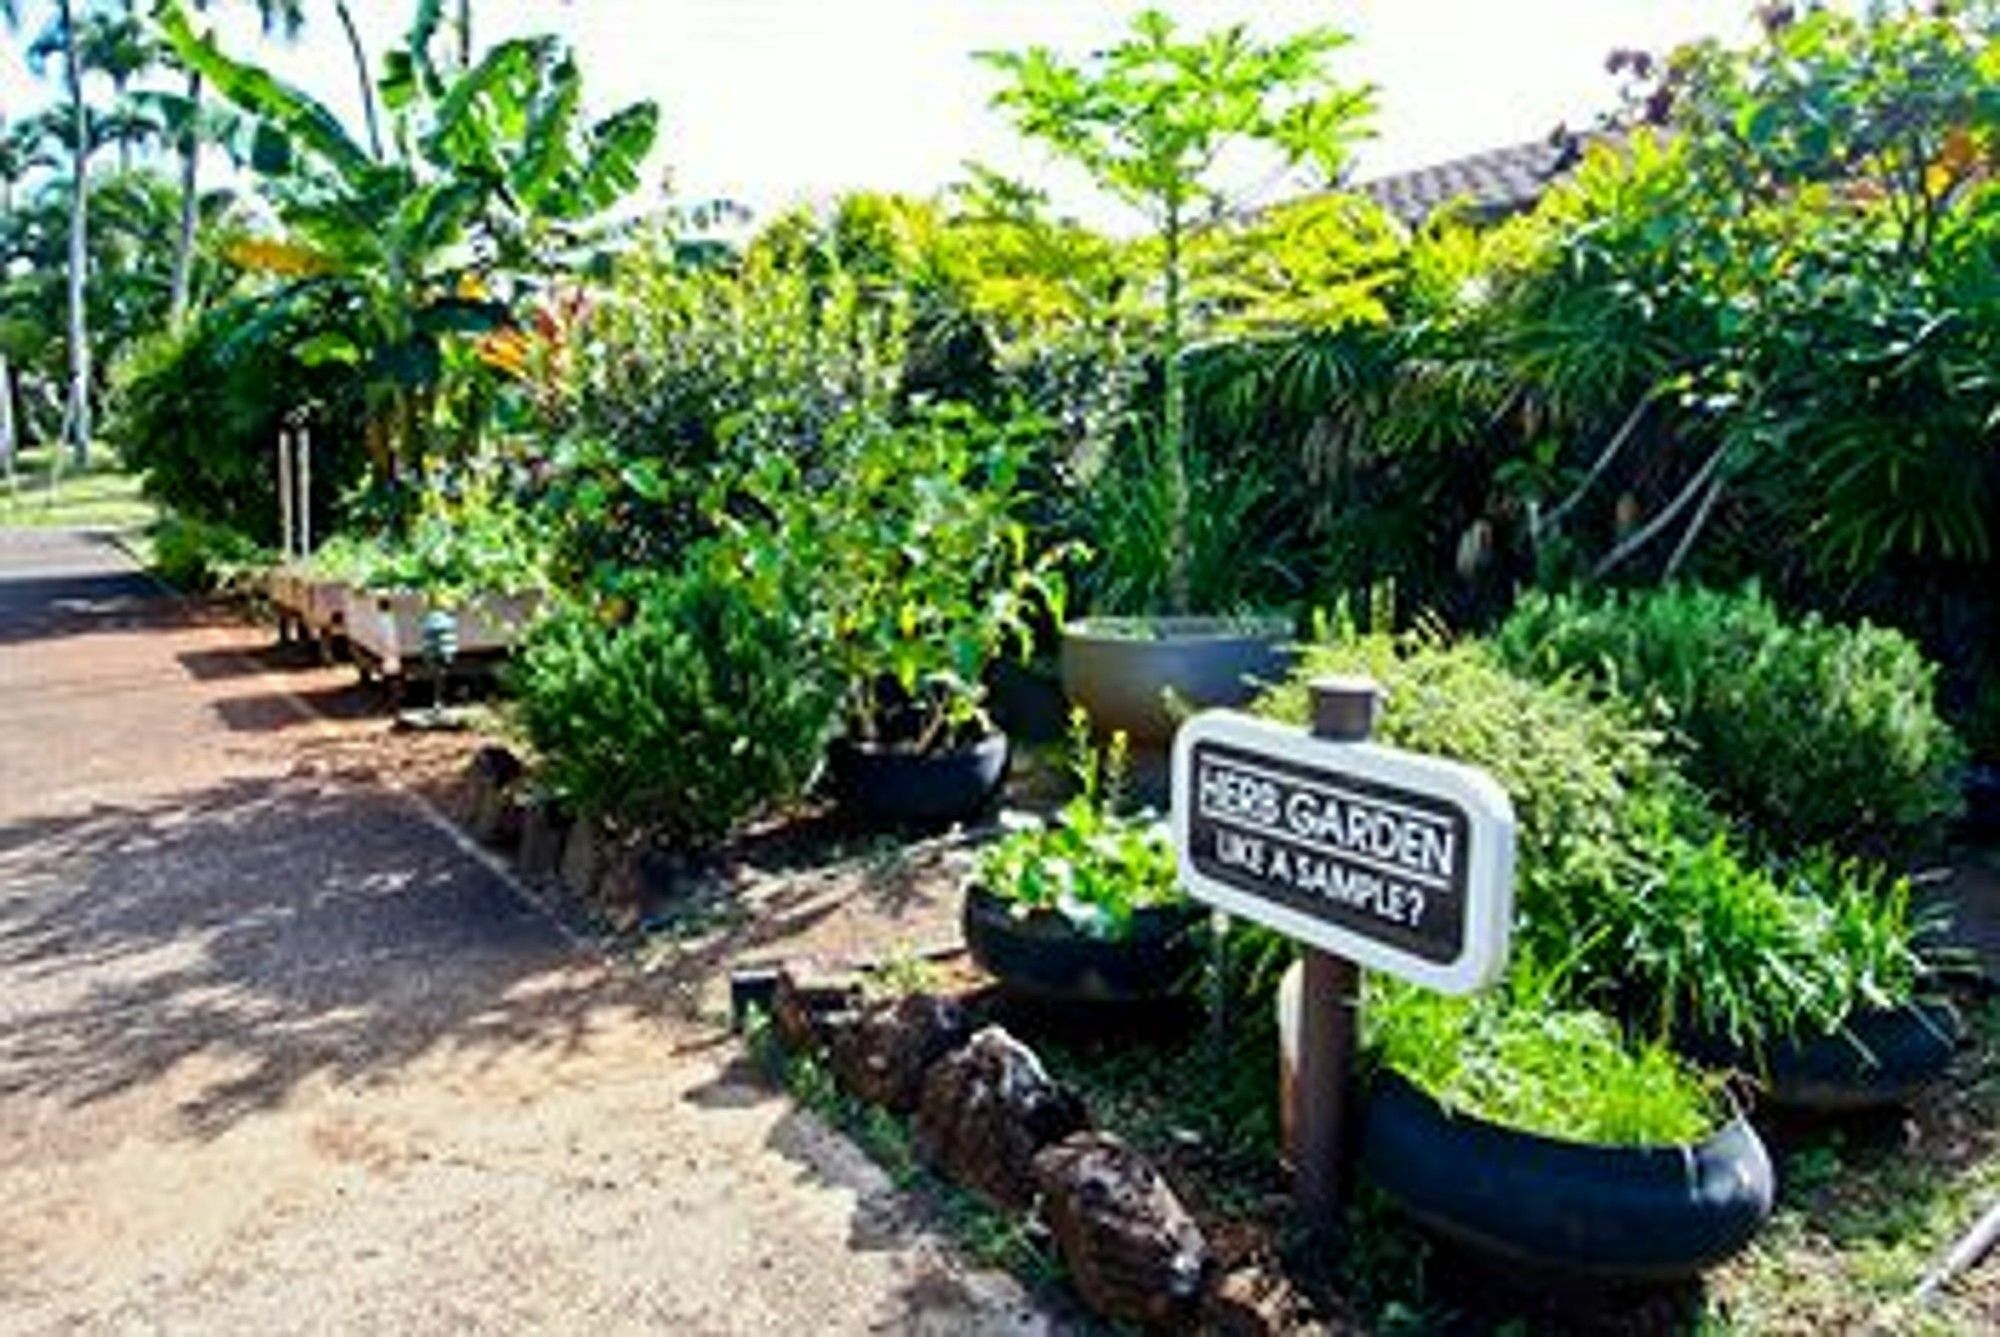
point(1149, 922)
point(875, 751)
point(1396, 1084)
point(1662, 1212)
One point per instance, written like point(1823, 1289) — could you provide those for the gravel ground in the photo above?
point(276, 1055)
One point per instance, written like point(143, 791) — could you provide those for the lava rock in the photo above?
point(883, 1056)
point(987, 1109)
point(1133, 1251)
point(587, 853)
point(1252, 1301)
point(808, 1007)
point(495, 765)
point(544, 832)
point(493, 810)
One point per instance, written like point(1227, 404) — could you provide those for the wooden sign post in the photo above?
point(1366, 855)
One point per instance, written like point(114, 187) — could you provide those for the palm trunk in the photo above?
point(190, 148)
point(79, 255)
point(361, 75)
point(8, 446)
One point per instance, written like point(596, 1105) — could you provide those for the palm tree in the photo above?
point(277, 16)
point(62, 36)
point(114, 43)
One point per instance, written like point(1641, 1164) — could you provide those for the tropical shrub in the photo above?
point(686, 377)
point(1092, 862)
point(201, 555)
point(926, 572)
point(1624, 878)
point(198, 412)
point(685, 710)
point(1807, 731)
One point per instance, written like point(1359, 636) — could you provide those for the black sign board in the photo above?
point(1398, 861)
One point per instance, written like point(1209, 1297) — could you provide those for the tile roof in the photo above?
point(1493, 184)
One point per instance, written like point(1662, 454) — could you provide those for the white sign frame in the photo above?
point(1490, 826)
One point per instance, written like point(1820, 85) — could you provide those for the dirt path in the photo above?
point(276, 1056)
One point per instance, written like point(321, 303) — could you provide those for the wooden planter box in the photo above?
point(310, 604)
point(387, 627)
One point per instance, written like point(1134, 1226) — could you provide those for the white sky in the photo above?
point(775, 101)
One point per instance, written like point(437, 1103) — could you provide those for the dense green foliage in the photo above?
point(1655, 910)
point(464, 540)
point(199, 411)
point(695, 709)
point(1806, 731)
point(921, 568)
point(199, 555)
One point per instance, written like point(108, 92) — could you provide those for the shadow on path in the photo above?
point(278, 931)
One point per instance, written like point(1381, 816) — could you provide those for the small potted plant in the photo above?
point(1086, 907)
point(924, 578)
point(1537, 1131)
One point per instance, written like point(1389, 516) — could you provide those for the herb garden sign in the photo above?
point(1367, 855)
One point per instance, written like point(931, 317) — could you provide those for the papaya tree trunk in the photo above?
point(1174, 447)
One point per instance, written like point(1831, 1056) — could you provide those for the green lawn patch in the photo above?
point(43, 496)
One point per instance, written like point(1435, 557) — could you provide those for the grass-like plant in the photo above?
point(1524, 1058)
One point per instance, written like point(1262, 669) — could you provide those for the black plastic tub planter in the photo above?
point(1042, 957)
point(1642, 1213)
point(1882, 1057)
point(893, 786)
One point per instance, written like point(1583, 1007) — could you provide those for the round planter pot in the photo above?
point(917, 788)
point(1881, 1057)
point(1980, 786)
point(1125, 671)
point(1654, 1213)
point(1040, 956)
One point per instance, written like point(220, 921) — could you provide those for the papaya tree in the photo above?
point(1158, 120)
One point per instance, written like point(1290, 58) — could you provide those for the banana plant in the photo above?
point(485, 189)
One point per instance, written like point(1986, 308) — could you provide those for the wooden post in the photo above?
point(285, 493)
point(303, 435)
point(1343, 711)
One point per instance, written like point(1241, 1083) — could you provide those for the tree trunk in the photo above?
point(360, 56)
point(1174, 414)
point(79, 255)
point(8, 445)
point(184, 238)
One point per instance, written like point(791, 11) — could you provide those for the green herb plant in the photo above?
point(1523, 1057)
point(684, 711)
point(916, 563)
point(1805, 730)
point(1092, 864)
